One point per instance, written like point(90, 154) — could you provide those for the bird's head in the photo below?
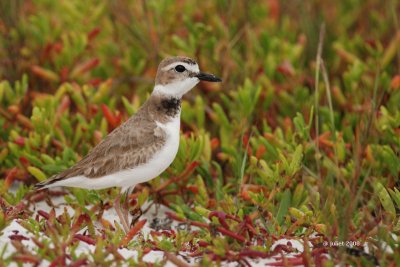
point(178, 75)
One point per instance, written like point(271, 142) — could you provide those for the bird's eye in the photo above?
point(180, 68)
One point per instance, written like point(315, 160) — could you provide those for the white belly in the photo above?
point(142, 173)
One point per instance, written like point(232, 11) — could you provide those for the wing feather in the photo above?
point(128, 146)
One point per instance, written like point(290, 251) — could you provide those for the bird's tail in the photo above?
point(46, 184)
point(41, 185)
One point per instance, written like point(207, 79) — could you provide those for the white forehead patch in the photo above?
point(192, 68)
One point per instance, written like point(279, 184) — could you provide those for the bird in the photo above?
point(142, 147)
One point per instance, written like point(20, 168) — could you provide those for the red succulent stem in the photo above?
point(43, 214)
point(254, 254)
point(93, 33)
point(111, 119)
point(81, 219)
point(202, 243)
point(78, 263)
point(27, 258)
point(288, 262)
point(132, 232)
point(18, 237)
point(10, 177)
point(204, 225)
point(20, 141)
point(221, 218)
point(231, 234)
point(85, 238)
point(88, 65)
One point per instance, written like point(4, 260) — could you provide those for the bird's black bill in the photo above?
point(208, 77)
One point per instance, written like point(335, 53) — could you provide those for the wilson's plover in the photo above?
point(145, 145)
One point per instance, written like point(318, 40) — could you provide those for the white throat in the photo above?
point(176, 89)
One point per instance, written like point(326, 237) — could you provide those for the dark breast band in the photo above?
point(170, 106)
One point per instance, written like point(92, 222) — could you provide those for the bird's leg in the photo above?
point(117, 205)
point(126, 207)
point(126, 204)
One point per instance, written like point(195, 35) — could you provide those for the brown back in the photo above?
point(131, 144)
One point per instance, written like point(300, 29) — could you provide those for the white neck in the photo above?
point(176, 89)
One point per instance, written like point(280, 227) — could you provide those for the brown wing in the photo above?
point(131, 144)
point(122, 149)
